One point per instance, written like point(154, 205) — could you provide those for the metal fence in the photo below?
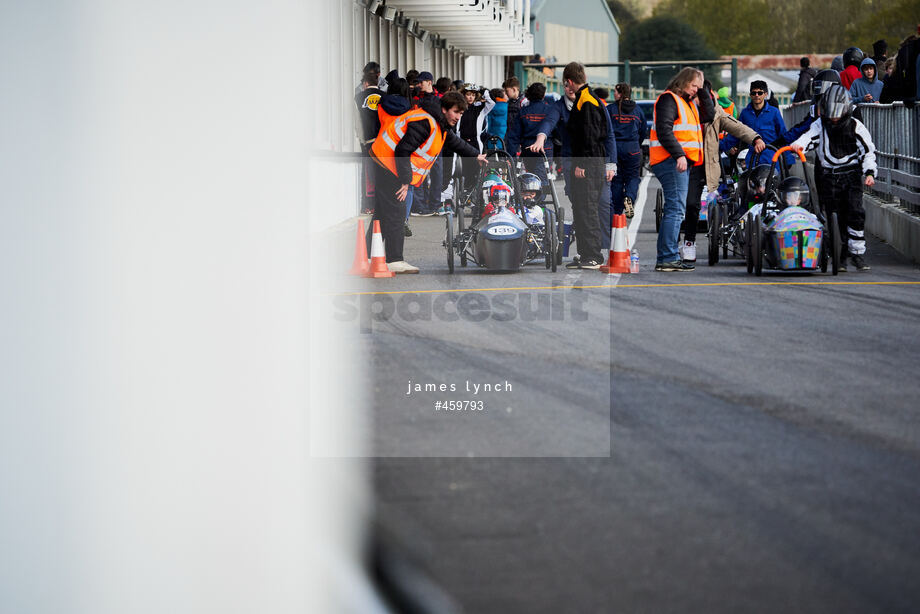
point(895, 130)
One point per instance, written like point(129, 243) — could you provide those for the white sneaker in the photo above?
point(688, 251)
point(401, 266)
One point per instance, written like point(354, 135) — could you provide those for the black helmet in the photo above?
point(757, 181)
point(531, 183)
point(835, 103)
point(853, 56)
point(793, 192)
point(824, 79)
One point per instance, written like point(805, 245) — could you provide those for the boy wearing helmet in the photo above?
point(532, 197)
point(499, 196)
point(846, 153)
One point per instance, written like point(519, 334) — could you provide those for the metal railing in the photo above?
point(895, 131)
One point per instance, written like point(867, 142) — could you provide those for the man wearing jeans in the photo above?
point(676, 144)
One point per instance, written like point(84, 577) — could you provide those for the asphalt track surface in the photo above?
point(673, 442)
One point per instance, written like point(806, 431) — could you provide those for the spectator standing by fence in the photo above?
point(803, 90)
point(867, 88)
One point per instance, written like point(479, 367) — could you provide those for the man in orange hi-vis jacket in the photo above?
point(405, 150)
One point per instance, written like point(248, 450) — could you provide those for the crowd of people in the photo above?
point(419, 134)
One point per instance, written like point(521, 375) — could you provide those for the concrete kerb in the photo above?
point(893, 225)
point(887, 221)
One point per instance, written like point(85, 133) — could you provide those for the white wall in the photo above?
point(488, 71)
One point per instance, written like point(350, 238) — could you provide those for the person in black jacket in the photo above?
point(588, 129)
point(804, 90)
point(368, 125)
point(392, 190)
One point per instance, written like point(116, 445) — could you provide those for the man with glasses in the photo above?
point(764, 119)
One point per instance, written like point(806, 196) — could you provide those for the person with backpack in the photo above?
point(803, 90)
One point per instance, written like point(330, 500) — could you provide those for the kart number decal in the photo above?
point(502, 230)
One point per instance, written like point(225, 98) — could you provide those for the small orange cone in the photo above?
point(618, 258)
point(378, 256)
point(360, 266)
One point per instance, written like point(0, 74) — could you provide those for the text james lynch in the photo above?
point(469, 386)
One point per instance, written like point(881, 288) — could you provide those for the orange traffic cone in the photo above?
point(618, 258)
point(378, 256)
point(360, 266)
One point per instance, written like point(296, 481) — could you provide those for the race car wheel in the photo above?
point(560, 235)
point(449, 219)
point(550, 239)
point(757, 246)
point(825, 250)
point(659, 209)
point(748, 256)
point(723, 213)
point(715, 232)
point(835, 243)
point(461, 222)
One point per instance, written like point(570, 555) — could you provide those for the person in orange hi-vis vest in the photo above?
point(405, 151)
point(675, 145)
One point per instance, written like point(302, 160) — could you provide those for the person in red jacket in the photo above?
point(852, 58)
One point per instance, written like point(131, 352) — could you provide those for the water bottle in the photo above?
point(634, 261)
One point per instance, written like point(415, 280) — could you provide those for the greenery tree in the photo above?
point(663, 38)
point(735, 27)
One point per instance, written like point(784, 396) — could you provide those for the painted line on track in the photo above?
point(642, 197)
point(672, 285)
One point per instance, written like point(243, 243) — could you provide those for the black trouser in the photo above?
point(843, 193)
point(390, 212)
point(694, 193)
point(367, 174)
point(586, 193)
point(470, 169)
